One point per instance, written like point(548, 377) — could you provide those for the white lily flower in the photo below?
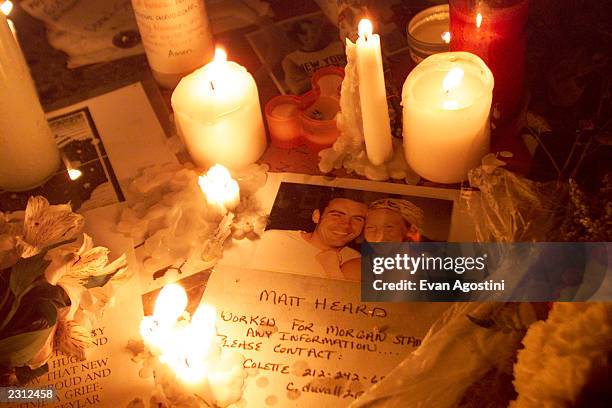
point(45, 225)
point(73, 336)
point(71, 268)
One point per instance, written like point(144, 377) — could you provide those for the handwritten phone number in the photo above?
point(13, 394)
point(342, 375)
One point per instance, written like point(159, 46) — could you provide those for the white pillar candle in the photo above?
point(218, 115)
point(373, 96)
point(28, 153)
point(446, 100)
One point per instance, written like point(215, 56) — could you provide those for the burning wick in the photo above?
point(217, 66)
point(365, 28)
point(451, 81)
point(446, 37)
point(478, 20)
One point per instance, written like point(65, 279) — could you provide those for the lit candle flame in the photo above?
point(365, 28)
point(216, 67)
point(183, 346)
point(452, 79)
point(220, 188)
point(74, 174)
point(478, 20)
point(7, 7)
point(220, 55)
point(203, 326)
point(184, 355)
point(204, 317)
point(170, 304)
point(191, 349)
point(446, 37)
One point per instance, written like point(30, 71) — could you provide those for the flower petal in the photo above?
point(73, 338)
point(46, 224)
point(74, 290)
point(59, 266)
point(91, 263)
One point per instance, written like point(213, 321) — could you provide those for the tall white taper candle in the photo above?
point(373, 96)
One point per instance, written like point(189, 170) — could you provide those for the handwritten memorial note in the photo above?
point(310, 341)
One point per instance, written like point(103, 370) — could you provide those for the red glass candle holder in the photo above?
point(318, 120)
point(309, 119)
point(283, 124)
point(495, 31)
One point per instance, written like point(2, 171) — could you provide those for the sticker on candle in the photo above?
point(219, 188)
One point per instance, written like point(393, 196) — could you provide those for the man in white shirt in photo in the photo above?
point(319, 253)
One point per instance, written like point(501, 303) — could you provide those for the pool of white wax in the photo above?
point(428, 90)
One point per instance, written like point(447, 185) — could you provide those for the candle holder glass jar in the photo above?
point(176, 36)
point(282, 115)
point(309, 119)
point(428, 32)
point(495, 31)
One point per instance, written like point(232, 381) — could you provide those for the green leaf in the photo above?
point(48, 310)
point(25, 272)
point(48, 292)
point(26, 374)
point(17, 350)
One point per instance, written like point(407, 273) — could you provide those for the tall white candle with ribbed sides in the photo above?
point(373, 96)
point(447, 100)
point(28, 153)
point(218, 115)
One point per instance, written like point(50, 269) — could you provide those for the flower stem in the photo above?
point(5, 297)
